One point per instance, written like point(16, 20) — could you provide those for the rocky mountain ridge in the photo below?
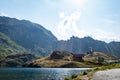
point(83, 45)
point(41, 41)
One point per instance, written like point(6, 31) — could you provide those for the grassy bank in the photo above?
point(88, 75)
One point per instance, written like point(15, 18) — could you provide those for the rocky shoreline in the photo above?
point(109, 72)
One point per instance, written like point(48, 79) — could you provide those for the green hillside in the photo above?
point(16, 60)
point(7, 46)
point(29, 35)
point(65, 59)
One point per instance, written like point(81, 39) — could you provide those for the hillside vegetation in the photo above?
point(11, 54)
point(96, 55)
point(16, 60)
point(8, 47)
point(29, 35)
point(89, 75)
point(65, 59)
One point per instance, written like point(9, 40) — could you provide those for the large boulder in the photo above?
point(61, 54)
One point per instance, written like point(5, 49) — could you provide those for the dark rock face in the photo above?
point(60, 54)
point(83, 45)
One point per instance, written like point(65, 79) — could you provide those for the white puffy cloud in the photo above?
point(68, 25)
point(107, 36)
point(3, 14)
point(62, 15)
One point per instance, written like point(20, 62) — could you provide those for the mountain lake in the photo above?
point(39, 73)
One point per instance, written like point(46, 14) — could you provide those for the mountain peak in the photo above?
point(36, 38)
point(27, 34)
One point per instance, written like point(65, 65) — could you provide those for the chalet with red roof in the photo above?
point(78, 57)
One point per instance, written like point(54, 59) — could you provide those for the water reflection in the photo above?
point(38, 73)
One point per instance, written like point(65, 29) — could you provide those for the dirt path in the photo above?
point(112, 74)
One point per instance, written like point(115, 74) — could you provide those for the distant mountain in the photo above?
point(12, 54)
point(29, 35)
point(83, 45)
point(8, 47)
point(38, 40)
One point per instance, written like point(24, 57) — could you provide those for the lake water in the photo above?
point(38, 73)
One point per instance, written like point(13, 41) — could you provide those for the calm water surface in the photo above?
point(38, 73)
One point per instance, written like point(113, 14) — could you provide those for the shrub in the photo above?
point(67, 79)
point(84, 73)
point(74, 76)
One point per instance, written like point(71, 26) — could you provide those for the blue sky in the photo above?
point(65, 18)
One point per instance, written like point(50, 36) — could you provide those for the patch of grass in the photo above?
point(67, 79)
point(109, 66)
point(89, 74)
point(74, 76)
point(48, 62)
point(8, 47)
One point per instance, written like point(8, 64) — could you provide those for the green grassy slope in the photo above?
point(64, 59)
point(7, 46)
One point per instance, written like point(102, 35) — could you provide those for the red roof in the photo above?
point(78, 55)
